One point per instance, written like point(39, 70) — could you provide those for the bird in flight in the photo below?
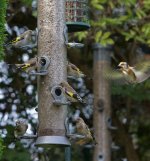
point(128, 74)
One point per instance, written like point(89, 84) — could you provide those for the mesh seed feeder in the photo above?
point(77, 15)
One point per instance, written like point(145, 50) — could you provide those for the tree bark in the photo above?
point(102, 109)
point(51, 22)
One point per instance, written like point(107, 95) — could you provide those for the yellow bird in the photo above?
point(70, 93)
point(82, 129)
point(137, 74)
point(73, 70)
point(28, 38)
point(29, 66)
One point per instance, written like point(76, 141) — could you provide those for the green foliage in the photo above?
point(127, 18)
point(96, 4)
point(81, 35)
point(138, 92)
point(1, 148)
point(27, 2)
point(3, 7)
point(16, 155)
point(104, 38)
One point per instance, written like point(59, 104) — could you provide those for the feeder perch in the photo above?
point(77, 15)
point(59, 98)
point(110, 126)
point(74, 45)
point(75, 136)
point(28, 137)
point(71, 44)
point(115, 147)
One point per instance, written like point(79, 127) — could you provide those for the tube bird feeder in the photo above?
point(77, 15)
point(102, 102)
point(51, 44)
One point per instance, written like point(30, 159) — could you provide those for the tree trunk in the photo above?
point(51, 22)
point(102, 109)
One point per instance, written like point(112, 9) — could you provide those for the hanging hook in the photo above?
point(27, 137)
point(109, 124)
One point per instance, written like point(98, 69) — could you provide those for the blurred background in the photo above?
point(125, 25)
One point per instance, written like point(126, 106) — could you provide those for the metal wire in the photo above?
point(76, 11)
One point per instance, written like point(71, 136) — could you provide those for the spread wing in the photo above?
point(115, 75)
point(143, 66)
point(142, 71)
point(141, 76)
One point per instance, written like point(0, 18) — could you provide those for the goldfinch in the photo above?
point(20, 128)
point(27, 39)
point(70, 93)
point(129, 74)
point(74, 71)
point(29, 66)
point(82, 129)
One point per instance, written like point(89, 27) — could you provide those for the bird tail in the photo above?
point(88, 78)
point(81, 142)
point(12, 67)
point(7, 44)
point(79, 98)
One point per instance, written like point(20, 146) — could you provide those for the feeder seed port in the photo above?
point(44, 64)
point(59, 98)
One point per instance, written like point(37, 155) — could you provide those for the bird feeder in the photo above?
point(77, 15)
point(52, 110)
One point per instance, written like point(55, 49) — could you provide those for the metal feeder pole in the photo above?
point(102, 108)
point(51, 22)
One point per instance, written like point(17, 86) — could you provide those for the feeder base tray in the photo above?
point(46, 141)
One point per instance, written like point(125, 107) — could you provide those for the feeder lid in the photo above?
point(77, 26)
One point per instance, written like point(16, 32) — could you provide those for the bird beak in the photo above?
point(119, 66)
